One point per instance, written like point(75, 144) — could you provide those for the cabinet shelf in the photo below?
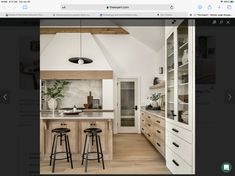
point(171, 54)
point(183, 84)
point(171, 70)
point(183, 45)
point(158, 86)
point(183, 65)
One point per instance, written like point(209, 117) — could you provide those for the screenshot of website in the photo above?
point(117, 88)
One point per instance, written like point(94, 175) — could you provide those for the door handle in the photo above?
point(136, 108)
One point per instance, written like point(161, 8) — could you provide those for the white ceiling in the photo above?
point(151, 36)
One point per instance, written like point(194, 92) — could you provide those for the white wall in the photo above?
point(57, 49)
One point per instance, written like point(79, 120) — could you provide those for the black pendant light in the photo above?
point(80, 60)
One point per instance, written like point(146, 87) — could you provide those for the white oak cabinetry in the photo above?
point(76, 136)
point(153, 127)
point(180, 97)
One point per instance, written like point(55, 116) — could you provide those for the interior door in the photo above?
point(127, 106)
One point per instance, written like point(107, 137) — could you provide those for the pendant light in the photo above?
point(80, 60)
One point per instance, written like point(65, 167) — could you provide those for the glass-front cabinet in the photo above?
point(179, 61)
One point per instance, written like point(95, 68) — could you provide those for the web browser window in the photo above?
point(117, 88)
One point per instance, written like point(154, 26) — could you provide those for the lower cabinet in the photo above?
point(153, 127)
point(179, 149)
point(76, 136)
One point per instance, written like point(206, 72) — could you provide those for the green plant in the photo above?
point(55, 91)
point(155, 96)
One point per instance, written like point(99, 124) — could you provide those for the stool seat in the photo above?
point(92, 130)
point(60, 130)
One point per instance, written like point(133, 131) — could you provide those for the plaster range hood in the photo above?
point(58, 48)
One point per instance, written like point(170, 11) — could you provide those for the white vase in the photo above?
point(154, 104)
point(52, 104)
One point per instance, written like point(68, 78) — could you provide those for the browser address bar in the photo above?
point(132, 7)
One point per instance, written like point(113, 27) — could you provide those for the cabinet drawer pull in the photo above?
point(142, 129)
point(175, 162)
point(158, 144)
point(149, 135)
point(149, 117)
point(175, 144)
point(142, 120)
point(149, 125)
point(158, 121)
point(175, 130)
point(158, 131)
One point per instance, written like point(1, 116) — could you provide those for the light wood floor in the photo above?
point(133, 154)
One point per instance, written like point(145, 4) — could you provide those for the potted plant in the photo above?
point(55, 92)
point(154, 98)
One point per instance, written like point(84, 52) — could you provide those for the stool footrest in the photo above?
point(69, 155)
point(100, 156)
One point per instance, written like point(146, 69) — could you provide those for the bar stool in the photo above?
point(92, 133)
point(61, 134)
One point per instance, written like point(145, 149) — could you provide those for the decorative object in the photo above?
point(89, 100)
point(155, 80)
point(160, 70)
point(80, 60)
point(95, 103)
point(154, 99)
point(183, 98)
point(163, 103)
point(184, 116)
point(184, 78)
point(185, 56)
point(55, 92)
point(86, 106)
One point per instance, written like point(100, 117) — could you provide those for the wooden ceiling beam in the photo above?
point(50, 30)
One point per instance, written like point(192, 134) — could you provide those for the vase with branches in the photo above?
point(55, 92)
point(154, 99)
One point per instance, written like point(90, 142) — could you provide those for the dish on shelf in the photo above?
point(183, 98)
point(184, 116)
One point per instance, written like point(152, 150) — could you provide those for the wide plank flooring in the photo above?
point(133, 154)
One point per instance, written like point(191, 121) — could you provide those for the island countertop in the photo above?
point(49, 115)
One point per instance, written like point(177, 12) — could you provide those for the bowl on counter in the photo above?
point(72, 112)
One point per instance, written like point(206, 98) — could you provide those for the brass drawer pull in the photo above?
point(158, 144)
point(175, 162)
point(149, 117)
point(149, 125)
point(158, 131)
point(142, 129)
point(149, 135)
point(158, 121)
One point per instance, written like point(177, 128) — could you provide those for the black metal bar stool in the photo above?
point(61, 134)
point(92, 133)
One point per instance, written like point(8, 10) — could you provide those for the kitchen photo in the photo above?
point(117, 96)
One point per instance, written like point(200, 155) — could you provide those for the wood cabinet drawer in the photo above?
point(160, 133)
point(176, 164)
point(159, 121)
point(180, 132)
point(159, 145)
point(180, 147)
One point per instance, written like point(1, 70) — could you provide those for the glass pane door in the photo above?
point(183, 72)
point(170, 76)
point(127, 104)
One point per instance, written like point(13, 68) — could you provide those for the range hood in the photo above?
point(56, 49)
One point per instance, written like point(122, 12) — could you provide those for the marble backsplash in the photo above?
point(76, 92)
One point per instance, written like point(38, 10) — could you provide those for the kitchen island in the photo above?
point(77, 124)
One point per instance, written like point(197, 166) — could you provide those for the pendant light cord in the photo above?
point(80, 37)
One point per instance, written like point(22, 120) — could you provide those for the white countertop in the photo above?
point(158, 113)
point(49, 115)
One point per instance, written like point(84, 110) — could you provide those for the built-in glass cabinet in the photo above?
point(179, 74)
